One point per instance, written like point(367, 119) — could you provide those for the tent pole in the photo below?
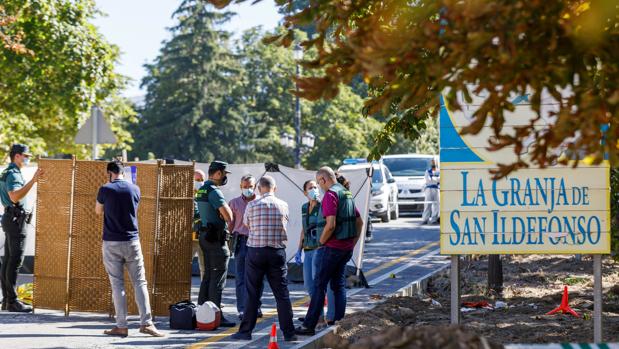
point(365, 226)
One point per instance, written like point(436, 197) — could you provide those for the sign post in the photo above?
point(555, 210)
point(597, 298)
point(454, 279)
point(95, 131)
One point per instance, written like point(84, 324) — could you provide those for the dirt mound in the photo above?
point(414, 337)
point(533, 286)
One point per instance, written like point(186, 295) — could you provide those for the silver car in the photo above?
point(384, 200)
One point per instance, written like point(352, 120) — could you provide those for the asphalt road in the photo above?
point(403, 248)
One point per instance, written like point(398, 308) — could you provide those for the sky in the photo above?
point(138, 28)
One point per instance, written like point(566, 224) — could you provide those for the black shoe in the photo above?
point(4, 303)
point(18, 307)
point(225, 323)
point(330, 323)
point(304, 331)
point(291, 338)
point(241, 337)
point(301, 319)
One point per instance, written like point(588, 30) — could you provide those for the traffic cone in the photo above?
point(273, 341)
point(564, 307)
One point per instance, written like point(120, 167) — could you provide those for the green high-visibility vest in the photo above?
point(345, 219)
point(313, 225)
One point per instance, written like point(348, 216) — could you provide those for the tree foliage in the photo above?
point(54, 65)
point(238, 116)
point(189, 87)
point(412, 51)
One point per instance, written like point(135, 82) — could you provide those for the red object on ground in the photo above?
point(482, 304)
point(564, 307)
point(273, 340)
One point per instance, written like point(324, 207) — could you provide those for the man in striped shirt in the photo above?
point(266, 218)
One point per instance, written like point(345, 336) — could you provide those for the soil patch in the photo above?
point(533, 286)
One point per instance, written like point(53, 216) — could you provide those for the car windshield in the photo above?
point(377, 176)
point(407, 166)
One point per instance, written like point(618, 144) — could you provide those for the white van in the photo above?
point(408, 171)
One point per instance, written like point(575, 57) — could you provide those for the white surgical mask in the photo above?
point(26, 161)
point(197, 185)
point(248, 192)
point(313, 194)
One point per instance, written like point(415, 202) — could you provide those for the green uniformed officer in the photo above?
point(13, 190)
point(214, 214)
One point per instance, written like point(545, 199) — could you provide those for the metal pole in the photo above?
point(597, 298)
point(455, 289)
point(95, 124)
point(297, 122)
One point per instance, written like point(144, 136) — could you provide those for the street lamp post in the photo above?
point(298, 54)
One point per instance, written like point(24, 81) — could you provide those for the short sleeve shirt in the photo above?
point(11, 179)
point(329, 208)
point(209, 202)
point(267, 219)
point(120, 200)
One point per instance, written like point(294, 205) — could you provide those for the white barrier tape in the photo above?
point(564, 346)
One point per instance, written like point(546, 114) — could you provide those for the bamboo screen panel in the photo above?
point(173, 241)
point(52, 234)
point(72, 277)
point(147, 179)
point(89, 283)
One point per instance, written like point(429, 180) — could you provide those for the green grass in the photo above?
point(574, 280)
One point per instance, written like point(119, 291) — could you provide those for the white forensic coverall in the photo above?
point(431, 209)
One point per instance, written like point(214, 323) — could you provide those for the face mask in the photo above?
point(197, 185)
point(224, 180)
point(26, 161)
point(313, 194)
point(248, 192)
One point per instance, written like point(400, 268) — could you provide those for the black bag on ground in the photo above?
point(183, 316)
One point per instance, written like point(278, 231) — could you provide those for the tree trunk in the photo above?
point(495, 273)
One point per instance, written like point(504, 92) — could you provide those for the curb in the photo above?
point(414, 288)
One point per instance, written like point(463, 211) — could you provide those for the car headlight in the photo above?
point(377, 192)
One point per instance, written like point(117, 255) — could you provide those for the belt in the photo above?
point(432, 186)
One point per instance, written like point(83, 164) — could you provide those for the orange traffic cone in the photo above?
point(564, 307)
point(273, 341)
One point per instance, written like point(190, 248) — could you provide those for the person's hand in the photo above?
point(297, 257)
point(38, 174)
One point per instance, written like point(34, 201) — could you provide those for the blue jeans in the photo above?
point(330, 268)
point(240, 255)
point(309, 273)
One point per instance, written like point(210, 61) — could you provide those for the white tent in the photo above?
point(290, 189)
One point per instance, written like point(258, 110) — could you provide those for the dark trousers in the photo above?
point(240, 255)
point(14, 246)
point(330, 268)
point(272, 263)
point(216, 256)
